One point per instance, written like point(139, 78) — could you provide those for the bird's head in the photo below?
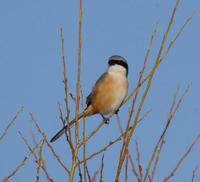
point(118, 64)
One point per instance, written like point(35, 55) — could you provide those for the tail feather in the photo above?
point(64, 129)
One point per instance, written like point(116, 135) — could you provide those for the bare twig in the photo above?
point(49, 145)
point(94, 131)
point(157, 158)
point(35, 156)
point(171, 115)
point(101, 170)
point(149, 178)
point(95, 175)
point(176, 37)
point(135, 92)
point(33, 136)
point(128, 153)
point(68, 138)
point(21, 164)
point(157, 63)
point(141, 74)
point(75, 153)
point(88, 174)
point(84, 145)
point(79, 70)
point(193, 174)
point(11, 123)
point(161, 142)
point(65, 80)
point(72, 97)
point(39, 162)
point(104, 148)
point(126, 169)
point(80, 174)
point(162, 57)
point(163, 139)
point(138, 160)
point(61, 114)
point(144, 116)
point(172, 173)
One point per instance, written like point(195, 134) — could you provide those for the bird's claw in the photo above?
point(116, 112)
point(106, 120)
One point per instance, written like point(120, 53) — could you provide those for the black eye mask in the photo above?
point(118, 62)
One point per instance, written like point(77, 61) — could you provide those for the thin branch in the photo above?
point(157, 62)
point(61, 117)
point(95, 175)
point(80, 173)
point(126, 169)
point(157, 158)
point(161, 59)
point(84, 135)
point(96, 172)
point(33, 136)
point(101, 170)
point(88, 174)
point(94, 131)
point(138, 160)
point(39, 162)
point(75, 153)
point(79, 70)
point(171, 115)
point(172, 173)
point(65, 80)
point(142, 73)
point(49, 179)
point(163, 139)
point(11, 123)
point(176, 37)
point(21, 164)
point(72, 97)
point(68, 138)
point(128, 153)
point(49, 145)
point(135, 92)
point(104, 148)
point(193, 174)
point(149, 178)
point(145, 115)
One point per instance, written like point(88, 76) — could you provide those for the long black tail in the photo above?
point(62, 131)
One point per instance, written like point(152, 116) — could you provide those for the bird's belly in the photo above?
point(119, 97)
point(111, 97)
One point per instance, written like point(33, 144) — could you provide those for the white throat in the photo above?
point(117, 69)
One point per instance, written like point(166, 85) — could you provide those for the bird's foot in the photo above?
point(106, 120)
point(116, 112)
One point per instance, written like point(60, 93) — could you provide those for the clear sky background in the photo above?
point(31, 76)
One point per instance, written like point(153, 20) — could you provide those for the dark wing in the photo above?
point(88, 100)
point(89, 97)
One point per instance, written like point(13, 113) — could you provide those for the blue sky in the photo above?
point(31, 76)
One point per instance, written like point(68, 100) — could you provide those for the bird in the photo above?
point(108, 93)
